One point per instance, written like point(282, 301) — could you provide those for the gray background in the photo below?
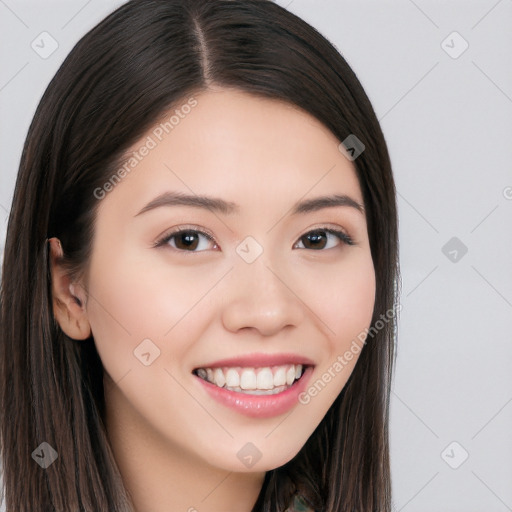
point(447, 118)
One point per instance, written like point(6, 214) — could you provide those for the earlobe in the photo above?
point(68, 303)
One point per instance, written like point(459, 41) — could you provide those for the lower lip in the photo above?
point(259, 406)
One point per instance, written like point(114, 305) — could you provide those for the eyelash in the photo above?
point(342, 236)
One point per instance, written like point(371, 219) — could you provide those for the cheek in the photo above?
point(352, 303)
point(343, 298)
point(345, 306)
point(132, 302)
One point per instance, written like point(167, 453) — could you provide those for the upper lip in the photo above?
point(257, 360)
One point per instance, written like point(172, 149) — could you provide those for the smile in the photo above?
point(268, 380)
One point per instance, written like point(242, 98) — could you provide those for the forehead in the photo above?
point(235, 145)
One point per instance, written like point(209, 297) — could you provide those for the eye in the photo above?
point(316, 239)
point(186, 240)
point(189, 240)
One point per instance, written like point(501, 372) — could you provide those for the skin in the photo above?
point(176, 447)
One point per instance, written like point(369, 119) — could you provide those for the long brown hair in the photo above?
point(117, 81)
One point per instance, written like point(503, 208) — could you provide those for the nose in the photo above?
point(260, 297)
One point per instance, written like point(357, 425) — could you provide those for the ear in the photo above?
point(68, 299)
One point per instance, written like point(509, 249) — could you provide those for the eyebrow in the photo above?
point(216, 204)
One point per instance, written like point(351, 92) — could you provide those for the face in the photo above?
point(223, 331)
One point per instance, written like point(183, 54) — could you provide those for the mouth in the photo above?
point(266, 380)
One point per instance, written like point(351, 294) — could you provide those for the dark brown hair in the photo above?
point(117, 81)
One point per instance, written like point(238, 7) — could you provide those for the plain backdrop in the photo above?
point(439, 75)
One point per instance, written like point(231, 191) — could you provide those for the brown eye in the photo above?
point(186, 240)
point(319, 238)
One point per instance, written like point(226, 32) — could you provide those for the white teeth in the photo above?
point(218, 377)
point(232, 378)
point(273, 391)
point(290, 375)
point(202, 373)
point(257, 381)
point(265, 379)
point(280, 376)
point(248, 379)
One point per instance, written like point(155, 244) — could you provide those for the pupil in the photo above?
point(188, 237)
point(316, 237)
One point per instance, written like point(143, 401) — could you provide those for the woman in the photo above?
point(200, 273)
